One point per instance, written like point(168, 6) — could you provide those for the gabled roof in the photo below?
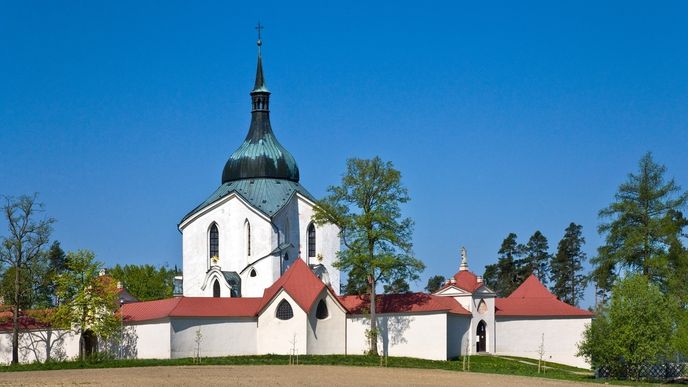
point(266, 195)
point(299, 282)
point(465, 280)
point(532, 299)
point(403, 303)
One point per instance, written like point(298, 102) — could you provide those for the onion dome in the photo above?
point(260, 155)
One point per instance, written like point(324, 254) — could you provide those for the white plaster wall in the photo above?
point(33, 346)
point(275, 335)
point(230, 214)
point(458, 334)
point(488, 317)
point(220, 336)
point(415, 335)
point(327, 241)
point(152, 339)
point(286, 222)
point(327, 336)
point(523, 336)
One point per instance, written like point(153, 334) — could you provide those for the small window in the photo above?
point(248, 238)
point(286, 257)
point(216, 289)
point(321, 313)
point(214, 242)
point(284, 311)
point(252, 273)
point(311, 240)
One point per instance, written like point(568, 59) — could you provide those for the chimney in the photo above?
point(479, 279)
point(453, 281)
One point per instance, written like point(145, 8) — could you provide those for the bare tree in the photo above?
point(22, 247)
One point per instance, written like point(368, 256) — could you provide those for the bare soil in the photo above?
point(301, 375)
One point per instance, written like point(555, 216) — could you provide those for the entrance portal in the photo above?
point(481, 343)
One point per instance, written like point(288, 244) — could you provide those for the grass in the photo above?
point(482, 364)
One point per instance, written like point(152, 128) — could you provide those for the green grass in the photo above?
point(482, 364)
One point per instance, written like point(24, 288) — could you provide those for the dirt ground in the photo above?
point(267, 375)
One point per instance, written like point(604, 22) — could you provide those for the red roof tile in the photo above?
point(532, 299)
point(466, 280)
point(299, 282)
point(403, 303)
point(149, 310)
point(216, 307)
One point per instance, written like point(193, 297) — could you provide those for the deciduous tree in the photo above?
point(145, 282)
point(22, 249)
point(366, 206)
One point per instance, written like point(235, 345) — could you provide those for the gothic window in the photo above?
point(311, 240)
point(321, 313)
point(284, 311)
point(247, 227)
point(214, 241)
point(252, 273)
point(216, 289)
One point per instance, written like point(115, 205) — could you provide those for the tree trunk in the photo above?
point(373, 317)
point(15, 318)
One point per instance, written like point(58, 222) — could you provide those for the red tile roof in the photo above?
point(403, 303)
point(216, 307)
point(466, 280)
point(149, 310)
point(532, 299)
point(299, 282)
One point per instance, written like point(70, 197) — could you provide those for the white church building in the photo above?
point(258, 278)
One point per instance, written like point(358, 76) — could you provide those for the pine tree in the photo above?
point(536, 258)
point(504, 276)
point(568, 282)
point(644, 221)
point(434, 283)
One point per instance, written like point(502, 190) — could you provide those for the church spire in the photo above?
point(260, 86)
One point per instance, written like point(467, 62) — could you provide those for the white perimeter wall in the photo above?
point(152, 339)
point(458, 334)
point(275, 335)
point(522, 337)
point(220, 336)
point(415, 335)
point(327, 336)
point(34, 345)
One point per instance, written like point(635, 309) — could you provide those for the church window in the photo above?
point(311, 240)
point(214, 242)
point(247, 226)
point(321, 313)
point(216, 289)
point(284, 311)
point(252, 273)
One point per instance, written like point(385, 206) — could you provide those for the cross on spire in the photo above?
point(259, 28)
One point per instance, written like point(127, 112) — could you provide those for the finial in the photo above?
point(259, 27)
point(464, 260)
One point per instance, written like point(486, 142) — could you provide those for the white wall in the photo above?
point(523, 336)
point(458, 334)
point(152, 339)
point(230, 214)
point(34, 345)
point(327, 336)
point(275, 335)
point(220, 336)
point(415, 335)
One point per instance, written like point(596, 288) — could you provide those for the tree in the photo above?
point(643, 220)
point(356, 283)
point(398, 286)
point(434, 283)
point(505, 276)
point(635, 329)
point(57, 262)
point(366, 207)
point(145, 282)
point(21, 249)
point(90, 300)
point(536, 258)
point(568, 281)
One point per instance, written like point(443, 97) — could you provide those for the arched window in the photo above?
point(216, 289)
point(284, 311)
point(247, 230)
point(252, 273)
point(482, 307)
point(213, 242)
point(311, 240)
point(321, 313)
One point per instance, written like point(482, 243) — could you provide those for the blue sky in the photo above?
point(502, 116)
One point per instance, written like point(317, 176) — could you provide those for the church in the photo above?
point(259, 278)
